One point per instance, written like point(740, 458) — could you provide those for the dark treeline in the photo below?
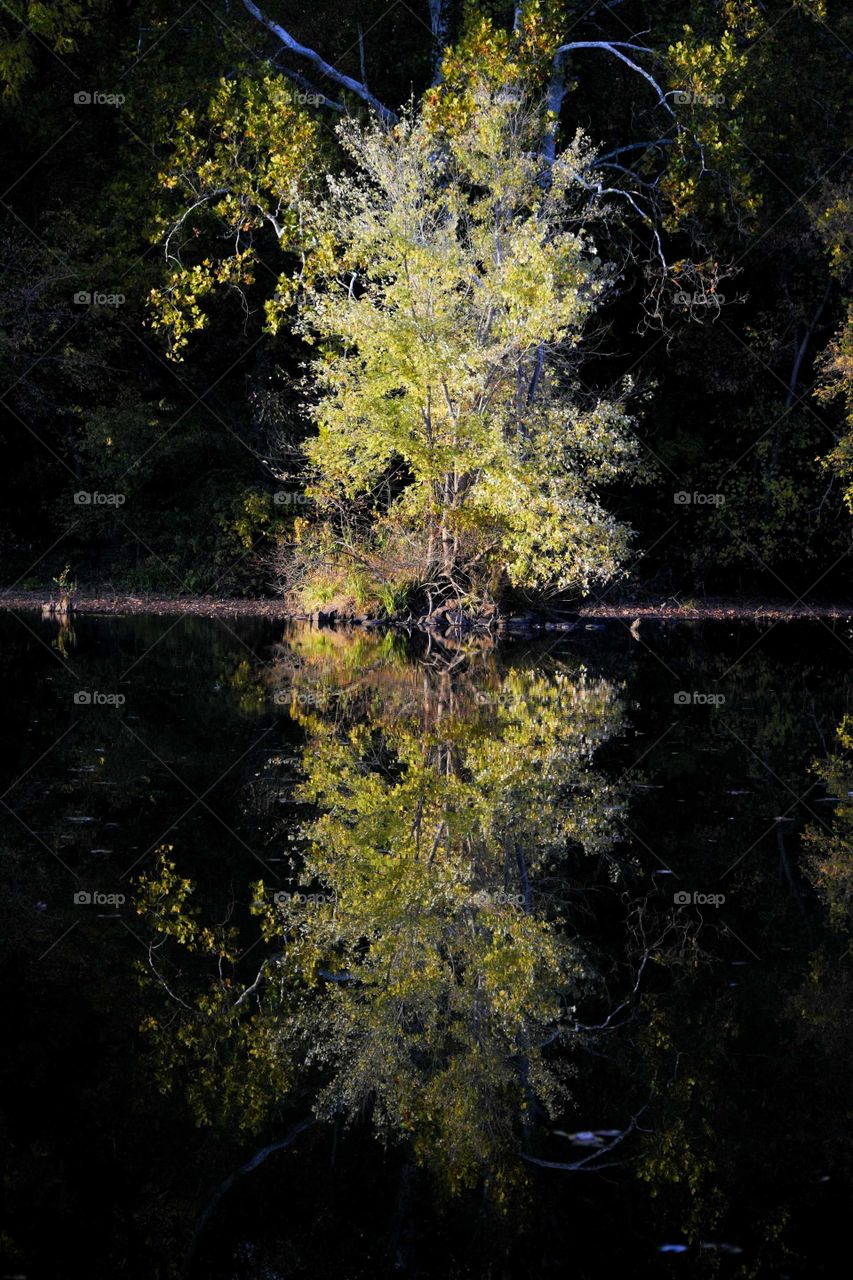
point(166, 385)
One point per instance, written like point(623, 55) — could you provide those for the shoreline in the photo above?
point(714, 609)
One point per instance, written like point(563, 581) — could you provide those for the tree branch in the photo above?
point(803, 346)
point(310, 55)
point(557, 85)
point(439, 26)
point(614, 47)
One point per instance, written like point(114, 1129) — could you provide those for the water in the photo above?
point(533, 960)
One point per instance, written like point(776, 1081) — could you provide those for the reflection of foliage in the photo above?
point(237, 1064)
point(681, 1152)
point(426, 830)
point(425, 975)
point(829, 857)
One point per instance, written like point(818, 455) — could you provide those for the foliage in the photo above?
point(829, 850)
point(726, 224)
point(452, 440)
point(240, 167)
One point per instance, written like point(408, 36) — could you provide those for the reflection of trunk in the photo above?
point(61, 608)
point(786, 868)
point(225, 1187)
point(401, 1214)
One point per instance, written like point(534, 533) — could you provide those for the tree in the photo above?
point(452, 279)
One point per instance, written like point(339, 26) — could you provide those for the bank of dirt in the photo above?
point(670, 609)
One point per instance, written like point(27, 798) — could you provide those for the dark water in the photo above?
point(530, 966)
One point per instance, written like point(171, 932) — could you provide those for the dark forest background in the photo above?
point(737, 355)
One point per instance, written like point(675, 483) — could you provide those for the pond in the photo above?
point(356, 954)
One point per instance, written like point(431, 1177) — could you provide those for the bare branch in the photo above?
point(557, 86)
point(311, 88)
point(615, 47)
point(633, 146)
point(803, 346)
point(310, 55)
point(361, 62)
point(590, 1163)
point(248, 1167)
point(438, 24)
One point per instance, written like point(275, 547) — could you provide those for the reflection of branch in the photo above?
point(254, 985)
point(586, 1164)
point(248, 1167)
point(601, 1026)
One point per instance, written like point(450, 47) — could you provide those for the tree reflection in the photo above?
point(829, 850)
point(425, 974)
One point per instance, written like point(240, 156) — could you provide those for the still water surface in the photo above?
point(349, 956)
